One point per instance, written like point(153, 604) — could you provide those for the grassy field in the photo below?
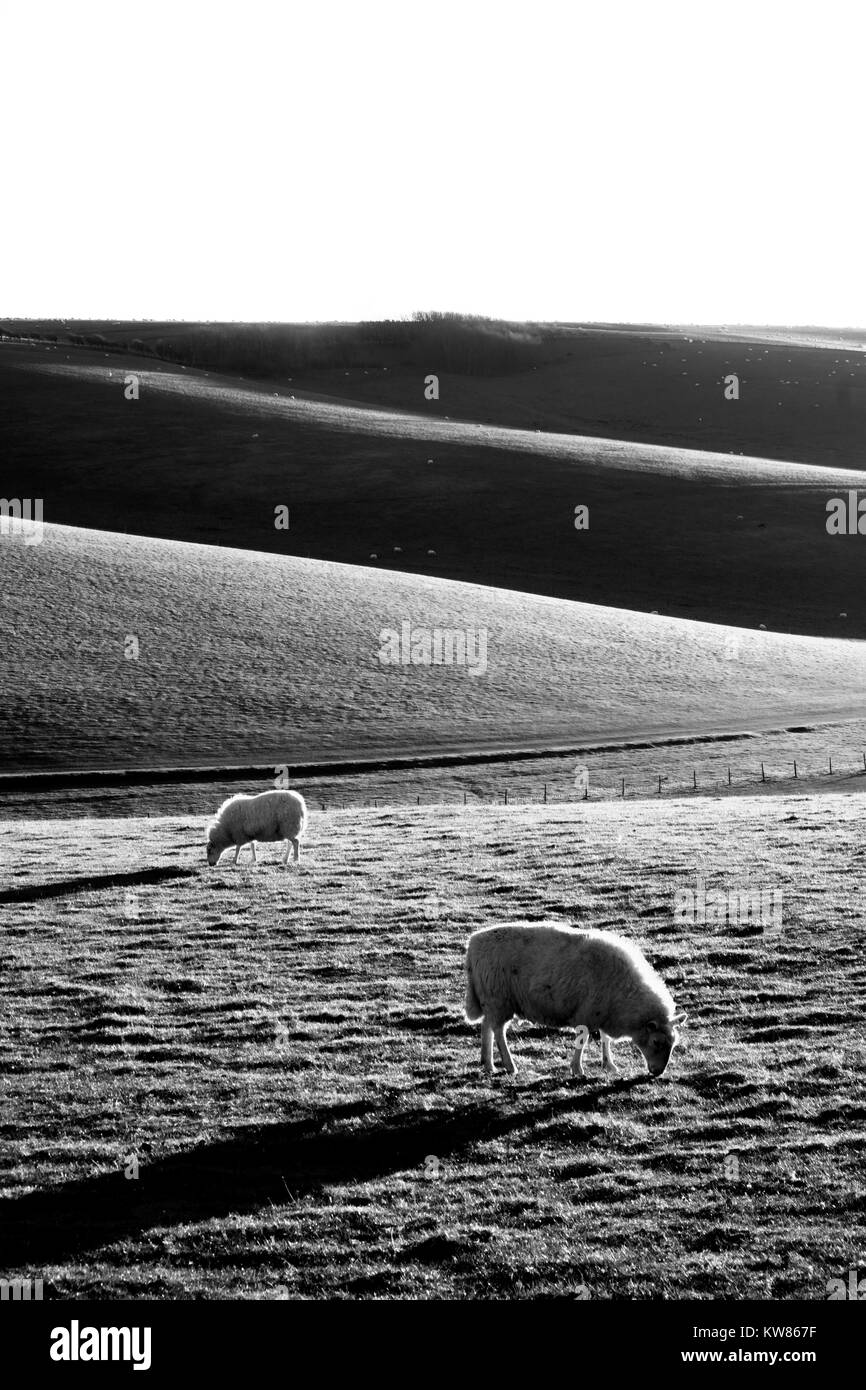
point(283, 1056)
point(253, 658)
point(695, 506)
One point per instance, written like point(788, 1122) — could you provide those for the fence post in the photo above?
point(694, 779)
point(831, 764)
point(623, 788)
point(464, 798)
point(586, 792)
point(763, 778)
point(795, 767)
point(729, 776)
point(545, 793)
point(418, 801)
point(660, 787)
point(506, 796)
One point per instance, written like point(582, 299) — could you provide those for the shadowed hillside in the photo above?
point(802, 391)
point(713, 536)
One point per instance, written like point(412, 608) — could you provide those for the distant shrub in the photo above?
point(434, 341)
point(473, 345)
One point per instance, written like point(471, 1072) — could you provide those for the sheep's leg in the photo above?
point(296, 846)
point(581, 1040)
point(487, 1048)
point(504, 1050)
point(286, 855)
point(253, 848)
point(237, 852)
point(606, 1056)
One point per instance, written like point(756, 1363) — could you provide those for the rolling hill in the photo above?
point(698, 507)
point(244, 656)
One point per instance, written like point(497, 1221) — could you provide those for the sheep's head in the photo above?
point(215, 844)
point(657, 1039)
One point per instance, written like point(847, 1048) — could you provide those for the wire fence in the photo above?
point(645, 786)
point(553, 780)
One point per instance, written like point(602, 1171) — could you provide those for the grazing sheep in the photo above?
point(563, 977)
point(277, 815)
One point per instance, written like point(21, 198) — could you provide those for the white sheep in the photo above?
point(277, 815)
point(563, 977)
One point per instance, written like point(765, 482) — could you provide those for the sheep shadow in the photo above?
point(255, 1167)
point(35, 892)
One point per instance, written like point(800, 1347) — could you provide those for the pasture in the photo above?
point(280, 1056)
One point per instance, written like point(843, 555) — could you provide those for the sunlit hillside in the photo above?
point(121, 650)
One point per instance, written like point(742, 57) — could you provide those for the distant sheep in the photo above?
point(562, 977)
point(243, 819)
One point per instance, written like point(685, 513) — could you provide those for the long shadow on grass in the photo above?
point(33, 892)
point(257, 1167)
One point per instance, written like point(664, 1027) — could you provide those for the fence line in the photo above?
point(646, 784)
point(547, 794)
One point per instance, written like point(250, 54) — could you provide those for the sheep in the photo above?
point(277, 815)
point(564, 977)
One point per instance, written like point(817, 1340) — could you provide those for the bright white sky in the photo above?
point(548, 159)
